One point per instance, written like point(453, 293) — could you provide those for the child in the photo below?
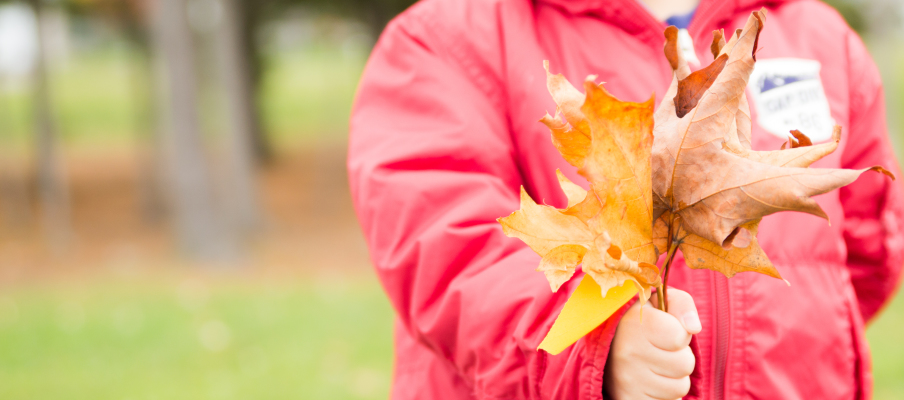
point(445, 131)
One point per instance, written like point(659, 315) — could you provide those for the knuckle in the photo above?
point(630, 353)
point(673, 388)
point(666, 343)
point(677, 294)
point(686, 362)
point(682, 300)
point(638, 350)
point(676, 340)
point(683, 386)
point(626, 351)
point(621, 355)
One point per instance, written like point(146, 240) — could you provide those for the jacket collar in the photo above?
point(633, 18)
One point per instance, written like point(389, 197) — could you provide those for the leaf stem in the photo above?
point(665, 277)
point(662, 293)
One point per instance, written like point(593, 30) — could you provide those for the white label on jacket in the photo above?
point(788, 95)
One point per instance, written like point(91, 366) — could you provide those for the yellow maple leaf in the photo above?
point(609, 228)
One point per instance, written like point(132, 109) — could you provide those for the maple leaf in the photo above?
point(610, 142)
point(710, 188)
point(609, 229)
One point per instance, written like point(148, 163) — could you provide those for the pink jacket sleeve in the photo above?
point(873, 205)
point(432, 166)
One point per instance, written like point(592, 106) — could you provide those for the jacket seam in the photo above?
point(455, 50)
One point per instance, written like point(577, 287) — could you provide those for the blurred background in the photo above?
point(175, 221)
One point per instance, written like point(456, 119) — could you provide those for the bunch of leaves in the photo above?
point(699, 187)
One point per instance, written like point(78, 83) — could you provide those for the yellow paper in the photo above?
point(583, 312)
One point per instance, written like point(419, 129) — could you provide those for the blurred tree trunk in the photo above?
point(135, 26)
point(14, 198)
point(16, 209)
point(201, 232)
point(248, 18)
point(151, 171)
point(52, 192)
point(242, 124)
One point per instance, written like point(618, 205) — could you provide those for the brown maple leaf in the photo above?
point(710, 188)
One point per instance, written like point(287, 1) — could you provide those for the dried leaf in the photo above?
point(559, 264)
point(564, 241)
point(573, 192)
point(800, 140)
point(571, 136)
point(701, 253)
point(544, 228)
point(715, 47)
point(796, 157)
point(696, 84)
point(610, 142)
point(619, 171)
point(707, 177)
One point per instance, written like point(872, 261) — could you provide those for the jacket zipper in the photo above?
point(706, 11)
point(722, 335)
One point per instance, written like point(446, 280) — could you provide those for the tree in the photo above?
point(52, 191)
point(201, 231)
point(132, 19)
point(236, 80)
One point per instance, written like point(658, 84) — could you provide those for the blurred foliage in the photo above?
point(305, 97)
point(376, 13)
point(132, 18)
point(852, 11)
point(880, 17)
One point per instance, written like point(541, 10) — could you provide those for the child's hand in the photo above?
point(651, 359)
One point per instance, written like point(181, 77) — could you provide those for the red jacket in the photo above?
point(444, 131)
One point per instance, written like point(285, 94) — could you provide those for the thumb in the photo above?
point(681, 306)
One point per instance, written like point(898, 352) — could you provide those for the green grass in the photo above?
point(190, 340)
